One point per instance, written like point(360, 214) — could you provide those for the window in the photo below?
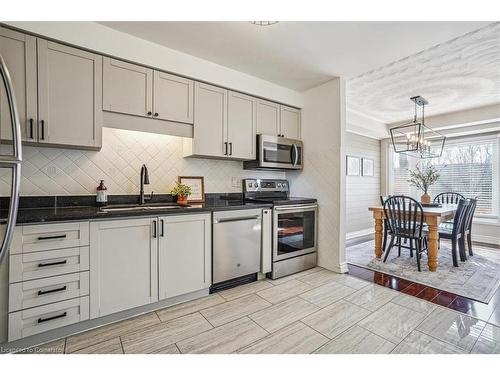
point(469, 165)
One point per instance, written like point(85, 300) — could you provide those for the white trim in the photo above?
point(341, 268)
point(363, 134)
point(486, 239)
point(359, 233)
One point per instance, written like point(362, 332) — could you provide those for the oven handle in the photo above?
point(296, 207)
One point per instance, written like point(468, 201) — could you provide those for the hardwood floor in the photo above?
point(317, 311)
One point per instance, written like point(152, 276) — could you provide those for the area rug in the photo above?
point(478, 278)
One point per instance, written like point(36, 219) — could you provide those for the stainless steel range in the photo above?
point(295, 225)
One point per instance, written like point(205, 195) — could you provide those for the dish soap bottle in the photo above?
point(102, 194)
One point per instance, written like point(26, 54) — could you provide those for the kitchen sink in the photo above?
point(141, 207)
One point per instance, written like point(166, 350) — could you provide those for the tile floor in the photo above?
point(316, 311)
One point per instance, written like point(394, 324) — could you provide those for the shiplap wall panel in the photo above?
point(362, 191)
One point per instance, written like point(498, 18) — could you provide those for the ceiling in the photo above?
point(456, 75)
point(298, 55)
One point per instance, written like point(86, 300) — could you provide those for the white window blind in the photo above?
point(468, 165)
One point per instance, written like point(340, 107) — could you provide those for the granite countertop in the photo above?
point(34, 210)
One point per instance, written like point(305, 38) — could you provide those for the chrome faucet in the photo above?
point(144, 180)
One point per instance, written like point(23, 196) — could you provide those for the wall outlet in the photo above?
point(235, 182)
point(52, 170)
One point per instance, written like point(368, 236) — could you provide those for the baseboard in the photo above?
point(359, 233)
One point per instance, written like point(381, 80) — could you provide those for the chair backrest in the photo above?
point(469, 215)
point(460, 215)
point(448, 198)
point(404, 216)
point(384, 198)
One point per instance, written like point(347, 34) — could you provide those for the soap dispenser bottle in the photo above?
point(102, 194)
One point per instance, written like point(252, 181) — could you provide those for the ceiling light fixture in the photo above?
point(415, 138)
point(264, 23)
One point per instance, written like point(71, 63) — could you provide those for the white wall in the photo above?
point(105, 40)
point(56, 171)
point(362, 191)
point(323, 177)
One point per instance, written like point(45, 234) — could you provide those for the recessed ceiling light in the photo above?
point(263, 23)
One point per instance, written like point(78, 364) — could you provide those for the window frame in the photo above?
point(451, 141)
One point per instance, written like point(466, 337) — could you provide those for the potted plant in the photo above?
point(423, 178)
point(182, 192)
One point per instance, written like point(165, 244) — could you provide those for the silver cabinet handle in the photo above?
point(162, 228)
point(154, 228)
point(225, 148)
point(230, 148)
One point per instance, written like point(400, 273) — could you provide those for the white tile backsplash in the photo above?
point(55, 171)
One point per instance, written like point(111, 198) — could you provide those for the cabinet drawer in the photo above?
point(23, 267)
point(31, 238)
point(44, 318)
point(28, 294)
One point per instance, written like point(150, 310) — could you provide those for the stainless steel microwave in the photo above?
point(275, 152)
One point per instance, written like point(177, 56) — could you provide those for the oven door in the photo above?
point(295, 231)
point(280, 153)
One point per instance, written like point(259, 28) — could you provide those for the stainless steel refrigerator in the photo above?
point(10, 167)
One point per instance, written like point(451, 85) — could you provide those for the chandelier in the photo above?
point(415, 138)
point(263, 23)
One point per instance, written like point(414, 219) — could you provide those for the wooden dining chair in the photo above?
point(448, 198)
point(405, 218)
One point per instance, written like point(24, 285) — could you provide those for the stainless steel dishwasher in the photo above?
point(236, 246)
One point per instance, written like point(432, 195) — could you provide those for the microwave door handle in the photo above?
point(295, 155)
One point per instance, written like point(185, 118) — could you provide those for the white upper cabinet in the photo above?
point(241, 126)
point(268, 117)
point(19, 53)
point(127, 88)
point(69, 93)
point(184, 254)
point(290, 122)
point(224, 124)
point(135, 90)
point(123, 265)
point(173, 98)
point(210, 121)
point(278, 120)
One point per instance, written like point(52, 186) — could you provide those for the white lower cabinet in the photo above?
point(134, 262)
point(184, 254)
point(44, 318)
point(123, 265)
point(127, 263)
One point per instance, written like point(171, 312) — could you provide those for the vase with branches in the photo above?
point(423, 177)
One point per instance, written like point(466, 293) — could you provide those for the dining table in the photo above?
point(433, 216)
